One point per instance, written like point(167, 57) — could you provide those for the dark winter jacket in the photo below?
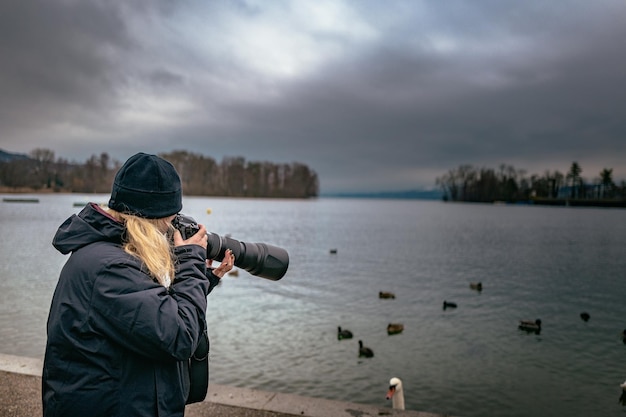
point(118, 341)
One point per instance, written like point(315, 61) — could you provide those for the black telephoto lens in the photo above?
point(260, 259)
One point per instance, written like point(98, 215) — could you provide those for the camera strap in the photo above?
point(199, 370)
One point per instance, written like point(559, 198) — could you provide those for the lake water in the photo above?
point(534, 262)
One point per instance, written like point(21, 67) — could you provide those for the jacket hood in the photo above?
point(91, 225)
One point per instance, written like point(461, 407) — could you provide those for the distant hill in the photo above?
point(407, 194)
point(8, 156)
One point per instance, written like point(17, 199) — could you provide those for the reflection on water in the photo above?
point(534, 262)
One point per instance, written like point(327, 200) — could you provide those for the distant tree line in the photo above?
point(471, 184)
point(201, 175)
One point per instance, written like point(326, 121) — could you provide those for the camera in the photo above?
point(260, 259)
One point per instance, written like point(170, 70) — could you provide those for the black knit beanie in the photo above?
point(147, 186)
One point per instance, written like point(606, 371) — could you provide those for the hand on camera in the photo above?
point(200, 238)
point(227, 264)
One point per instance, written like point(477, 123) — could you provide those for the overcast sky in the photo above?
point(372, 95)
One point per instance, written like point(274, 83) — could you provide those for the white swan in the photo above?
point(396, 394)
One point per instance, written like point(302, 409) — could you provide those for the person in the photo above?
point(130, 303)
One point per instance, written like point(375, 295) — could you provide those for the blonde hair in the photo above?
point(145, 241)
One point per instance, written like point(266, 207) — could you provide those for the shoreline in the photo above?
point(568, 202)
point(20, 396)
point(555, 202)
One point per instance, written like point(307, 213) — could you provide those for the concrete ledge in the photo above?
point(20, 396)
point(21, 365)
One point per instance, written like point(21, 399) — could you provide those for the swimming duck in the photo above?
point(478, 286)
point(530, 326)
point(365, 351)
point(396, 394)
point(343, 334)
point(384, 294)
point(622, 398)
point(585, 316)
point(448, 304)
point(395, 328)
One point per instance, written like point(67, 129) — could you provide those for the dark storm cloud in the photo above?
point(370, 95)
point(56, 57)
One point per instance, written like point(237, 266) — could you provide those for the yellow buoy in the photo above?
point(208, 211)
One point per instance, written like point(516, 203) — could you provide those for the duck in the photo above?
point(478, 286)
point(385, 294)
point(622, 398)
point(448, 304)
point(333, 251)
point(396, 394)
point(530, 326)
point(395, 328)
point(623, 336)
point(585, 316)
point(343, 334)
point(365, 351)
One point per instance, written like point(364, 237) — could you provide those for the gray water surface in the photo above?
point(534, 262)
